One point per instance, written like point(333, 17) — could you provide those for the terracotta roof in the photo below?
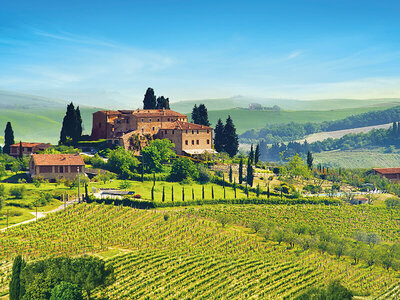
point(24, 144)
point(183, 125)
point(387, 170)
point(157, 113)
point(58, 159)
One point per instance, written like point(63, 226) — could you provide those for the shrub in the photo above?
point(18, 192)
point(183, 168)
point(204, 175)
point(166, 217)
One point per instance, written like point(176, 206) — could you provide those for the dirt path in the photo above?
point(42, 214)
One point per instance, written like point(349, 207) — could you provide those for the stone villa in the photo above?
point(28, 148)
point(132, 129)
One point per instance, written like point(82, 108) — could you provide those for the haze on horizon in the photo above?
point(102, 51)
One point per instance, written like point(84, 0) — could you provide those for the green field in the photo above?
point(189, 255)
point(245, 119)
point(367, 158)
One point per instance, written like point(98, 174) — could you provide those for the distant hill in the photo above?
point(36, 118)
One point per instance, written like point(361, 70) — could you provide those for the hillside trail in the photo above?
point(42, 214)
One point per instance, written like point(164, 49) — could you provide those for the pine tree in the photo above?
point(231, 138)
point(15, 283)
point(257, 155)
point(310, 160)
point(241, 171)
point(250, 173)
point(203, 115)
point(219, 144)
point(251, 154)
point(8, 138)
point(149, 101)
point(230, 174)
point(195, 115)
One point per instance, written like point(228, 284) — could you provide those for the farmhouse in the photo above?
point(56, 166)
point(132, 129)
point(27, 148)
point(389, 173)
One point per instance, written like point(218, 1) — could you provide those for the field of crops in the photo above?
point(179, 252)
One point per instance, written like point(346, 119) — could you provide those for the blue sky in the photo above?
point(101, 51)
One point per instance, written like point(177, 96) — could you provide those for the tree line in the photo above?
point(150, 100)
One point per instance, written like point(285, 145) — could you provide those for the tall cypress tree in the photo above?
point(8, 138)
point(71, 130)
point(219, 137)
point(257, 154)
point(15, 283)
point(78, 125)
point(231, 138)
point(195, 114)
point(250, 173)
point(310, 160)
point(251, 154)
point(21, 150)
point(230, 174)
point(162, 102)
point(241, 171)
point(149, 101)
point(203, 115)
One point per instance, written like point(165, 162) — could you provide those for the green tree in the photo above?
point(231, 138)
point(230, 174)
point(296, 167)
point(66, 291)
point(183, 168)
point(8, 138)
point(203, 115)
point(219, 141)
point(149, 101)
point(250, 173)
point(251, 154)
point(124, 185)
point(241, 171)
point(310, 160)
point(195, 115)
point(257, 154)
point(71, 129)
point(162, 103)
point(122, 162)
point(21, 150)
point(158, 152)
point(15, 283)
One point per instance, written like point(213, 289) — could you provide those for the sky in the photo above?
point(103, 52)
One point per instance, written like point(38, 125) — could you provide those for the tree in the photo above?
point(71, 130)
point(122, 162)
point(149, 101)
point(15, 283)
point(162, 103)
point(231, 138)
point(230, 174)
point(183, 168)
point(250, 173)
point(251, 154)
point(241, 171)
point(219, 141)
point(257, 154)
point(8, 138)
point(296, 167)
point(158, 152)
point(195, 114)
point(310, 160)
point(66, 291)
point(202, 115)
point(21, 150)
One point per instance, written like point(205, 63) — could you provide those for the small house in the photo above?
point(27, 148)
point(56, 166)
point(389, 173)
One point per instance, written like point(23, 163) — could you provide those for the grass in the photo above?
point(363, 158)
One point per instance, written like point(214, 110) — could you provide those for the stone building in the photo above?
point(132, 129)
point(28, 148)
point(56, 166)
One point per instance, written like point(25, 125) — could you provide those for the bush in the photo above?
point(18, 192)
point(183, 168)
point(66, 291)
point(204, 175)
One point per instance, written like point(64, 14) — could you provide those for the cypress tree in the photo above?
point(231, 138)
point(183, 194)
point(149, 101)
point(257, 154)
point(172, 193)
point(21, 150)
point(241, 171)
point(8, 138)
point(163, 194)
point(203, 192)
point(152, 193)
point(203, 115)
point(162, 103)
point(310, 160)
point(230, 174)
point(195, 115)
point(234, 186)
point(250, 173)
point(15, 283)
point(192, 193)
point(268, 193)
point(258, 190)
point(219, 137)
point(78, 125)
point(71, 130)
point(251, 154)
point(212, 192)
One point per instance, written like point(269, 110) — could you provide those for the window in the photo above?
point(149, 120)
point(208, 131)
point(127, 120)
point(45, 169)
point(186, 131)
point(142, 120)
point(197, 131)
point(166, 131)
point(192, 131)
point(168, 119)
point(186, 142)
point(61, 169)
point(173, 131)
point(208, 142)
point(99, 125)
point(154, 128)
point(197, 142)
point(192, 142)
point(158, 120)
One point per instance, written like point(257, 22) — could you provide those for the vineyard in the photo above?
point(186, 252)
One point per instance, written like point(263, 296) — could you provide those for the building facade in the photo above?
point(27, 148)
point(133, 129)
point(56, 166)
point(389, 173)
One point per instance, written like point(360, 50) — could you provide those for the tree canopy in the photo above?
point(8, 138)
point(156, 153)
point(71, 130)
point(183, 168)
point(149, 101)
point(231, 138)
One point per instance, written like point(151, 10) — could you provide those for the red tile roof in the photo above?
point(58, 160)
point(183, 125)
point(24, 144)
point(387, 170)
point(157, 113)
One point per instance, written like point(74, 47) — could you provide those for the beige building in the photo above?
point(132, 129)
point(28, 148)
point(56, 166)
